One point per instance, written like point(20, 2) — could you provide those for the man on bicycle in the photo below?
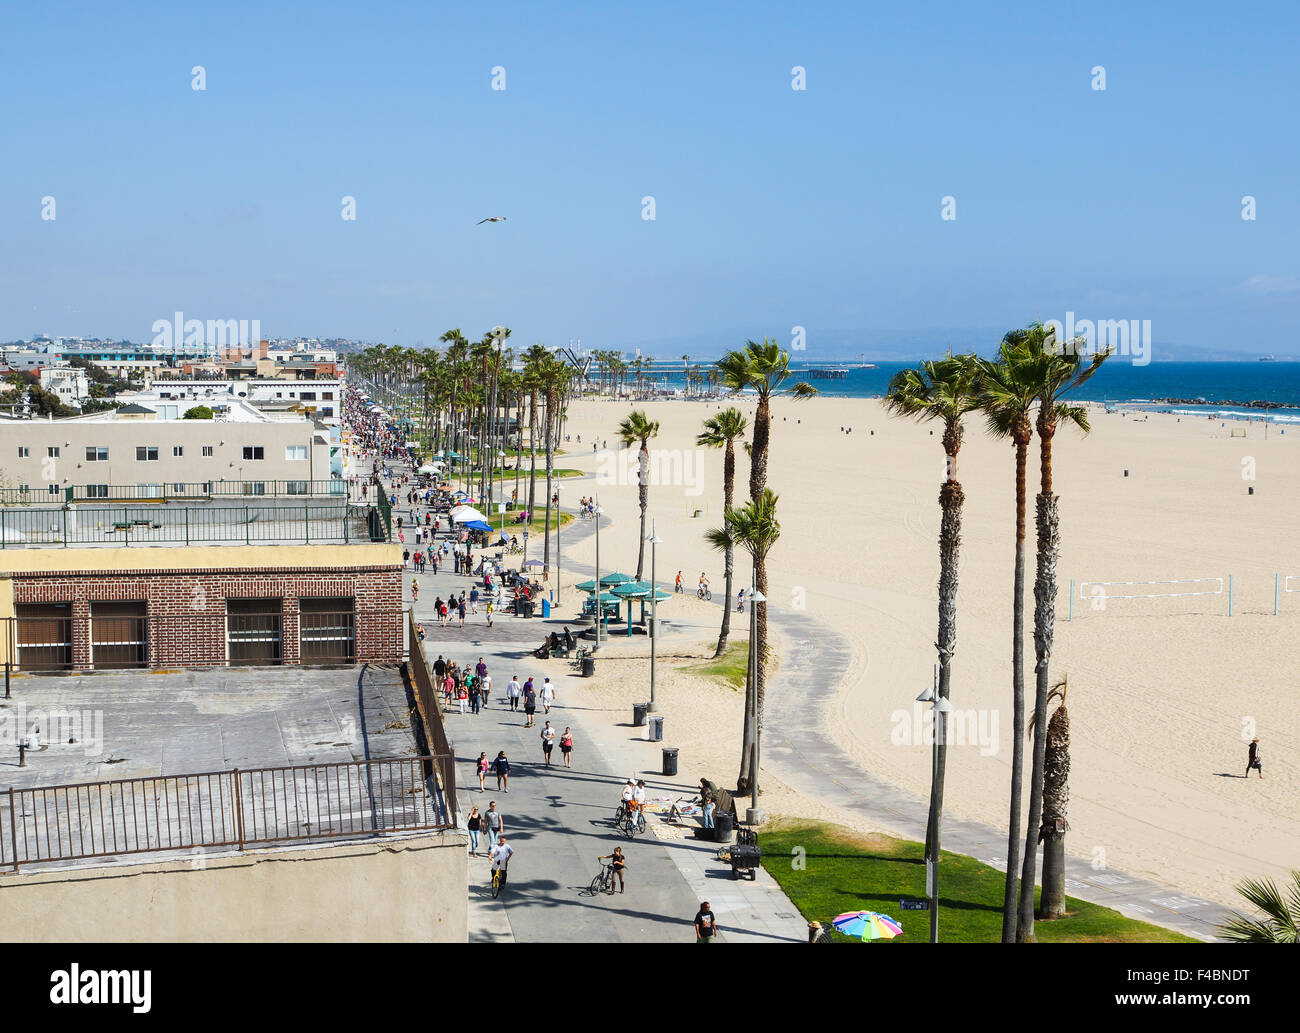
point(704, 584)
point(501, 854)
point(636, 810)
point(629, 790)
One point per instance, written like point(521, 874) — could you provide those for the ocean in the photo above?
point(1121, 382)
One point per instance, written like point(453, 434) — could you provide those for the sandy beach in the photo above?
point(1161, 691)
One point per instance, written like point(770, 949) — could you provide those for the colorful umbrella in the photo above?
point(868, 925)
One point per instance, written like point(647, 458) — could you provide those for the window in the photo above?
point(178, 451)
point(23, 453)
point(179, 488)
point(146, 453)
point(96, 491)
point(254, 452)
point(292, 452)
point(295, 487)
point(327, 396)
point(96, 454)
point(207, 450)
point(55, 489)
point(52, 451)
point(307, 396)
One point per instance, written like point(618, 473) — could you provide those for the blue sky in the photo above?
point(774, 207)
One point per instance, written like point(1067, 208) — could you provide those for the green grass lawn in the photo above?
point(535, 527)
point(730, 667)
point(844, 871)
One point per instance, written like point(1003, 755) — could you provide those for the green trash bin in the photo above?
point(639, 712)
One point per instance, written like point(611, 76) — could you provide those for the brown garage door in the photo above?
point(254, 631)
point(44, 635)
point(119, 634)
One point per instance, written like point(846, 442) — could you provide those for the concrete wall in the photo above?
point(409, 890)
point(122, 436)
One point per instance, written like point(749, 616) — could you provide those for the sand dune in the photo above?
point(1161, 691)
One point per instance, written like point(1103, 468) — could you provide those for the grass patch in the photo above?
point(535, 526)
point(730, 668)
point(848, 872)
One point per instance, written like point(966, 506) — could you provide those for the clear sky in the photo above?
point(774, 207)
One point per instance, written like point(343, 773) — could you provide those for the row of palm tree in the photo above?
point(1019, 392)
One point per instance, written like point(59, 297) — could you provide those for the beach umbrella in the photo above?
point(478, 525)
point(867, 925)
point(585, 586)
point(616, 578)
point(534, 563)
point(467, 514)
point(632, 589)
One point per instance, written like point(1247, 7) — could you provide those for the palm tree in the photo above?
point(638, 427)
point(1007, 395)
point(755, 529)
point(1057, 370)
point(1280, 921)
point(1056, 798)
point(763, 368)
point(554, 379)
point(721, 431)
point(944, 390)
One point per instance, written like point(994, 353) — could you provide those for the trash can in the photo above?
point(670, 760)
point(639, 711)
point(588, 666)
point(722, 826)
point(656, 728)
point(546, 607)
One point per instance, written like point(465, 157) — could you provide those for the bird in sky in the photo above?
point(494, 218)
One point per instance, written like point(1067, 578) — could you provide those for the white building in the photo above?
point(69, 383)
point(319, 399)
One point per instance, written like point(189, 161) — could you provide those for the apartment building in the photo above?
point(68, 383)
point(133, 447)
point(320, 398)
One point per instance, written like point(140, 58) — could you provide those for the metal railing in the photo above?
point(427, 702)
point(310, 522)
point(51, 641)
point(172, 491)
point(239, 808)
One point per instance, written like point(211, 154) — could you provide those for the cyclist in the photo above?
point(740, 601)
point(636, 810)
point(704, 583)
point(501, 854)
point(679, 581)
point(629, 790)
point(617, 864)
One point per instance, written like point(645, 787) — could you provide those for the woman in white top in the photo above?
point(548, 695)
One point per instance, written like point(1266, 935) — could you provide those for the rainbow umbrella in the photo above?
point(868, 925)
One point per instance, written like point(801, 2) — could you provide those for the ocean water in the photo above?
point(1119, 381)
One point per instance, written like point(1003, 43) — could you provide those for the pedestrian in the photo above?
point(473, 695)
point(473, 599)
point(530, 702)
point(461, 611)
point(480, 668)
point(566, 748)
point(473, 824)
point(484, 688)
point(493, 824)
point(482, 769)
point(706, 925)
point(489, 613)
point(406, 556)
point(679, 581)
point(1252, 759)
point(448, 687)
point(618, 865)
point(415, 590)
point(442, 612)
point(514, 691)
point(501, 768)
point(548, 695)
point(440, 667)
point(548, 741)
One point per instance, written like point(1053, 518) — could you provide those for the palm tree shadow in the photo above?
point(1230, 774)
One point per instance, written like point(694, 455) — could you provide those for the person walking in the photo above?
point(548, 742)
point(448, 689)
point(473, 600)
point(514, 691)
point(482, 768)
point(1252, 758)
point(480, 668)
point(474, 695)
point(485, 688)
point(493, 825)
point(706, 924)
point(501, 768)
point(439, 667)
point(530, 703)
point(415, 590)
point(618, 865)
point(489, 611)
point(473, 824)
point(679, 581)
point(548, 695)
point(462, 696)
point(461, 611)
point(566, 748)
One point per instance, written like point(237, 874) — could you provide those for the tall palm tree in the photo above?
point(1008, 392)
point(945, 390)
point(1056, 800)
point(554, 378)
point(1058, 368)
point(1280, 915)
point(721, 431)
point(755, 529)
point(535, 360)
point(640, 428)
point(764, 368)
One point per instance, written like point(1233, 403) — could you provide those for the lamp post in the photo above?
point(940, 708)
point(557, 538)
point(654, 540)
point(600, 613)
point(754, 816)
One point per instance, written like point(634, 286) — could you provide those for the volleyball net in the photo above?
point(1141, 597)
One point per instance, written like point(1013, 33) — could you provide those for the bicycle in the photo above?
point(632, 824)
point(604, 882)
point(498, 880)
point(704, 593)
point(514, 550)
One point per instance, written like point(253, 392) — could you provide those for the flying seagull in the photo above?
point(494, 218)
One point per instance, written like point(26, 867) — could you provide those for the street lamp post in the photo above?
point(940, 708)
point(754, 816)
point(596, 511)
point(557, 539)
point(654, 540)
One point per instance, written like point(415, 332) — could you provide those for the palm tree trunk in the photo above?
point(532, 450)
point(643, 491)
point(551, 423)
point(1044, 618)
point(1009, 899)
point(728, 492)
point(1056, 797)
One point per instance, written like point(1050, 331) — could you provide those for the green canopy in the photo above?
point(632, 589)
point(615, 578)
point(585, 586)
